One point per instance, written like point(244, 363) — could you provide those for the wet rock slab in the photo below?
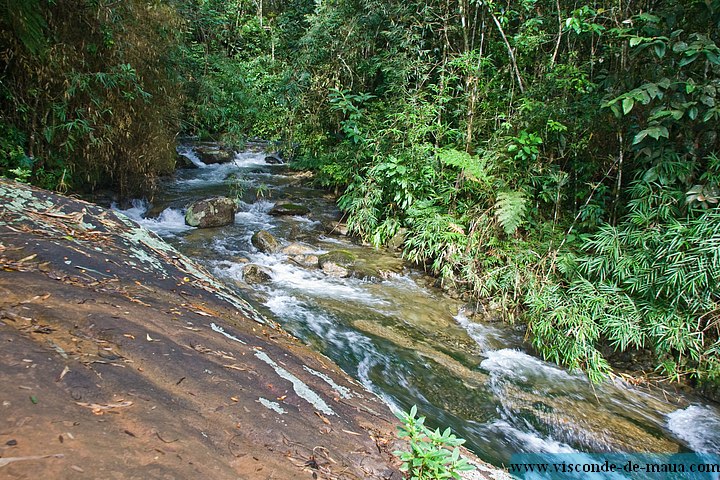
point(122, 359)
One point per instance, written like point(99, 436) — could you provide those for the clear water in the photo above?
point(410, 344)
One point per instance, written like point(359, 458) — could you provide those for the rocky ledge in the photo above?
point(123, 359)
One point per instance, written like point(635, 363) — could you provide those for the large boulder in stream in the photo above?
point(265, 242)
point(211, 153)
point(121, 358)
point(287, 208)
point(211, 212)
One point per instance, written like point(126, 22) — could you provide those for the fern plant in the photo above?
point(510, 209)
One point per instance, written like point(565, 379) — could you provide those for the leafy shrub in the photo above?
point(433, 455)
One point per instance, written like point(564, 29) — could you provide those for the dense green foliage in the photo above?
point(561, 157)
point(85, 92)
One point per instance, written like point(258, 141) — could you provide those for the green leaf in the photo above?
point(627, 105)
point(659, 47)
point(639, 137)
point(688, 59)
point(658, 131)
point(680, 47)
point(713, 112)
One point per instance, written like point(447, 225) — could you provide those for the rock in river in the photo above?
point(287, 208)
point(274, 159)
point(253, 273)
point(297, 249)
point(337, 263)
point(307, 261)
point(212, 212)
point(210, 153)
point(265, 242)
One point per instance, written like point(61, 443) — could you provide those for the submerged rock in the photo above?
point(336, 228)
point(253, 273)
point(307, 261)
point(297, 249)
point(265, 242)
point(287, 208)
point(211, 212)
point(337, 263)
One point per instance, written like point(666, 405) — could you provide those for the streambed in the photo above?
point(407, 341)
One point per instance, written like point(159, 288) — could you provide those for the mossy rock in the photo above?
point(397, 241)
point(265, 242)
point(287, 208)
point(211, 212)
point(342, 258)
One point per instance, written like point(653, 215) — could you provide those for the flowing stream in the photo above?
point(407, 341)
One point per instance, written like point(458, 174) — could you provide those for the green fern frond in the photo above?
point(510, 210)
point(473, 167)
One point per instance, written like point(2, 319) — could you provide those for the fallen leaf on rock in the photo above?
point(8, 460)
point(235, 367)
point(100, 409)
point(65, 371)
point(325, 420)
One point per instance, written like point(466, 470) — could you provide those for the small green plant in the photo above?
point(263, 191)
point(430, 456)
point(238, 186)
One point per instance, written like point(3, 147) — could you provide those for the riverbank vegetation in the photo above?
point(559, 158)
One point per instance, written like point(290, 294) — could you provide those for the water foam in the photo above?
point(698, 425)
point(187, 152)
point(511, 363)
point(170, 222)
